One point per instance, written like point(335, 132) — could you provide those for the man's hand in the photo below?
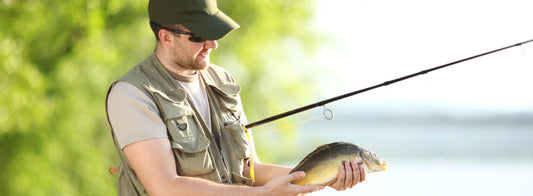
point(281, 185)
point(350, 174)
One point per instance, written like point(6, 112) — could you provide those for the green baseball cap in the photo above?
point(202, 17)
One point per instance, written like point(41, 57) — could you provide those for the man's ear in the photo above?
point(166, 38)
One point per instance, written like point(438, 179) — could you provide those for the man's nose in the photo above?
point(211, 44)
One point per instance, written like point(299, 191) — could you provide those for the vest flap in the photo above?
point(228, 88)
point(172, 108)
point(228, 93)
point(191, 146)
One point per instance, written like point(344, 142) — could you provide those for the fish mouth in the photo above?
point(384, 165)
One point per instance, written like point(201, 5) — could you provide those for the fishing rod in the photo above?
point(324, 102)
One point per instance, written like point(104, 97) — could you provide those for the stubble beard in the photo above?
point(192, 65)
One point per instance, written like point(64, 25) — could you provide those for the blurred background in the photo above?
point(463, 130)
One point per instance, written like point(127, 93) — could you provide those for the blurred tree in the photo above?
point(58, 59)
point(268, 56)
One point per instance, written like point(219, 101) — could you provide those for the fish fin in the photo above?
point(321, 146)
point(306, 158)
point(359, 160)
point(330, 182)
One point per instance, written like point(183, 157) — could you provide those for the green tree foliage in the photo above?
point(268, 56)
point(58, 59)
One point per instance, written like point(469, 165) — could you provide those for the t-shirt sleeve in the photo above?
point(133, 115)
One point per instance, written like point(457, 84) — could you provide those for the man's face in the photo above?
point(191, 55)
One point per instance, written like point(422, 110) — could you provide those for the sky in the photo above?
point(373, 41)
point(369, 42)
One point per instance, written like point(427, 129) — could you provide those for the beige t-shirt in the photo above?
point(135, 117)
point(196, 90)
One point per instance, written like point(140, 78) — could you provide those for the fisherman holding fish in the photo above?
point(177, 119)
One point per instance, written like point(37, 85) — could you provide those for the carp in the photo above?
point(322, 165)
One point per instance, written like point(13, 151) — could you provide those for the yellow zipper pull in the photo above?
point(251, 154)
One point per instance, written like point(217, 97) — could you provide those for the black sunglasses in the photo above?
point(193, 37)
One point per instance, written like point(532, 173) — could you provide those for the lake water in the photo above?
point(433, 153)
point(447, 176)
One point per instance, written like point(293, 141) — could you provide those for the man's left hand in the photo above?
point(350, 174)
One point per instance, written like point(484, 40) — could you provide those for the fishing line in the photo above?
point(327, 114)
point(324, 102)
point(288, 126)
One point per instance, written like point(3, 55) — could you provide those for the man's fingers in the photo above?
point(349, 175)
point(355, 173)
point(281, 185)
point(294, 176)
point(341, 177)
point(303, 189)
point(362, 172)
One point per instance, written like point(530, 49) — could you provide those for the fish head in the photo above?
point(372, 161)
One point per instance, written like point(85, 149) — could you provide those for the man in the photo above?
point(176, 118)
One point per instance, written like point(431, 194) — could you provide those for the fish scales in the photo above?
point(322, 165)
point(324, 153)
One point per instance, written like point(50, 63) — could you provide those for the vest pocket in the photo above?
point(241, 151)
point(189, 144)
point(190, 147)
point(228, 95)
point(239, 140)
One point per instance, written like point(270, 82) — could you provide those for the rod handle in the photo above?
point(113, 170)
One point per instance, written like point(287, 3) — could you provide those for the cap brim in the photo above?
point(214, 27)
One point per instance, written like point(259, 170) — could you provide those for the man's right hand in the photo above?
point(282, 185)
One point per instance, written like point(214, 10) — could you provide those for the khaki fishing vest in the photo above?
point(218, 154)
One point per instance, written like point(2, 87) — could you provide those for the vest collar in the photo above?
point(174, 91)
